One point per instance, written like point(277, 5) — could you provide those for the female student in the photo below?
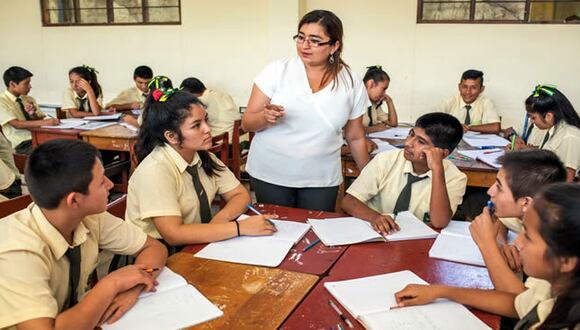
point(171, 191)
point(550, 110)
point(376, 119)
point(550, 255)
point(84, 97)
point(299, 108)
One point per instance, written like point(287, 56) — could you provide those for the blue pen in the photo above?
point(309, 246)
point(259, 213)
point(525, 130)
point(491, 207)
point(487, 147)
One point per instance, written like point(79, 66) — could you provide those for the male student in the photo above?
point(475, 111)
point(18, 111)
point(10, 184)
point(49, 250)
point(522, 175)
point(134, 97)
point(417, 178)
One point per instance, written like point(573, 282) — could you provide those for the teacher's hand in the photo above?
point(273, 112)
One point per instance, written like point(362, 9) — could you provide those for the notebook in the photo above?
point(369, 300)
point(382, 146)
point(114, 116)
point(392, 133)
point(455, 244)
point(485, 140)
point(350, 230)
point(174, 305)
point(257, 250)
point(488, 156)
point(69, 123)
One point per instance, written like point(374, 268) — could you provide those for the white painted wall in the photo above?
point(226, 43)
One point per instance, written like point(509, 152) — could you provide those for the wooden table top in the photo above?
point(114, 131)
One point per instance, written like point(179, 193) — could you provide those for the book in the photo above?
point(257, 250)
point(456, 244)
point(369, 300)
point(392, 133)
point(114, 116)
point(485, 140)
point(174, 305)
point(488, 156)
point(67, 124)
point(351, 230)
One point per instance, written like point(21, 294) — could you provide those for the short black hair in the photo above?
point(15, 74)
point(444, 130)
point(472, 74)
point(143, 72)
point(528, 171)
point(193, 85)
point(57, 168)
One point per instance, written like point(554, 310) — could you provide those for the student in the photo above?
point(134, 97)
point(376, 119)
point(10, 184)
point(171, 190)
point(550, 110)
point(522, 175)
point(418, 178)
point(157, 82)
point(18, 111)
point(49, 249)
point(475, 111)
point(550, 254)
point(84, 97)
point(220, 107)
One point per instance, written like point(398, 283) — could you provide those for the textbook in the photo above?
point(350, 230)
point(488, 156)
point(369, 300)
point(257, 250)
point(174, 305)
point(455, 244)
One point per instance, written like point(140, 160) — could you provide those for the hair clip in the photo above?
point(547, 89)
point(162, 94)
point(375, 67)
point(157, 82)
point(90, 69)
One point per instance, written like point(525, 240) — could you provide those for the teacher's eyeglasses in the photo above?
point(315, 43)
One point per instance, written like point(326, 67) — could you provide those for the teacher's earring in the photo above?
point(331, 59)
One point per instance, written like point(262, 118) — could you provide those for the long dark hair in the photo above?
point(333, 28)
point(90, 75)
point(558, 207)
point(168, 116)
point(546, 99)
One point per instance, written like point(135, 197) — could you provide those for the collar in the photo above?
point(52, 237)
point(10, 96)
point(77, 95)
point(176, 158)
point(462, 103)
point(556, 127)
point(408, 168)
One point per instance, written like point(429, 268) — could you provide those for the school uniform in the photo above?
point(129, 95)
point(221, 112)
point(161, 186)
point(375, 114)
point(535, 304)
point(71, 100)
point(481, 111)
point(35, 266)
point(564, 141)
point(9, 173)
point(382, 180)
point(10, 109)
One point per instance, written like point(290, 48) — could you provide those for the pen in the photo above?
point(491, 207)
point(310, 245)
point(487, 147)
point(259, 213)
point(342, 316)
point(151, 270)
point(513, 142)
point(491, 152)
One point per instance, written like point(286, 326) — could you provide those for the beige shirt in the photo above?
point(378, 114)
point(221, 112)
point(513, 224)
point(8, 170)
point(536, 137)
point(564, 141)
point(382, 180)
point(161, 186)
point(482, 110)
point(70, 100)
point(34, 268)
point(10, 110)
point(539, 293)
point(129, 95)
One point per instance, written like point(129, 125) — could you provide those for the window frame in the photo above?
point(472, 19)
point(110, 15)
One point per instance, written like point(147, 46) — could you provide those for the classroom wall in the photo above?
point(226, 48)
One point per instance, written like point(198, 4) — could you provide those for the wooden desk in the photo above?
point(41, 135)
point(250, 297)
point(318, 260)
point(115, 138)
point(378, 258)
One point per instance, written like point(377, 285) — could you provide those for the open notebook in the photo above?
point(455, 244)
point(174, 305)
point(257, 250)
point(369, 299)
point(350, 230)
point(392, 133)
point(485, 140)
point(488, 156)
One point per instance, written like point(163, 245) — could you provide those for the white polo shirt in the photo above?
point(303, 148)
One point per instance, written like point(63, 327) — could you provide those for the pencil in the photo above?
point(151, 270)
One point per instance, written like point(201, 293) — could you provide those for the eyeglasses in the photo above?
point(315, 43)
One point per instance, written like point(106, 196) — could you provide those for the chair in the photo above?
point(60, 114)
point(219, 147)
point(238, 156)
point(118, 206)
point(16, 204)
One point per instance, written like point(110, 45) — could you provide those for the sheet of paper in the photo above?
point(456, 248)
point(382, 146)
point(250, 250)
point(411, 228)
point(287, 230)
point(95, 125)
point(68, 124)
point(485, 140)
point(488, 156)
point(114, 116)
point(343, 231)
point(168, 280)
point(392, 133)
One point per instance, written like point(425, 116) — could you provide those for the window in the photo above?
point(498, 11)
point(106, 12)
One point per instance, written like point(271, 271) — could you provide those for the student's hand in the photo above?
point(508, 132)
point(387, 99)
point(484, 229)
point(435, 158)
point(273, 112)
point(86, 86)
point(120, 305)
point(136, 105)
point(512, 256)
point(384, 224)
point(371, 146)
point(376, 128)
point(30, 109)
point(417, 294)
point(128, 277)
point(465, 128)
point(518, 145)
point(52, 121)
point(258, 225)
